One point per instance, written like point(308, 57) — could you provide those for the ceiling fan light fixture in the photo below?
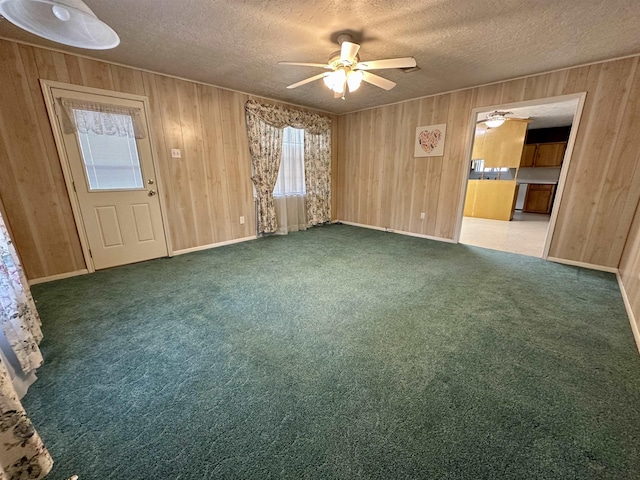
point(336, 80)
point(61, 13)
point(69, 22)
point(328, 80)
point(354, 79)
point(347, 72)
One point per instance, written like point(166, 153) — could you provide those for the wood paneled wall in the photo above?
point(381, 184)
point(376, 179)
point(630, 269)
point(206, 191)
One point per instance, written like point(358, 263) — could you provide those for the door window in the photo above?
point(111, 162)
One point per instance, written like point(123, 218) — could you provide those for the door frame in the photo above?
point(568, 153)
point(49, 101)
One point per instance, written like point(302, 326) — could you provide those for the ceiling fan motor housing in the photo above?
point(344, 37)
point(335, 60)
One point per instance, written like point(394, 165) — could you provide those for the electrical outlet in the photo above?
point(422, 216)
point(241, 220)
point(176, 153)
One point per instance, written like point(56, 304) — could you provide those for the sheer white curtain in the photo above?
point(290, 191)
point(22, 453)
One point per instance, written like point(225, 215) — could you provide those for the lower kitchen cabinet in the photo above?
point(539, 198)
point(495, 199)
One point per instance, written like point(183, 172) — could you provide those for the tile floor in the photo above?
point(525, 234)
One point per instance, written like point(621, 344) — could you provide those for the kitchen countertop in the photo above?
point(537, 182)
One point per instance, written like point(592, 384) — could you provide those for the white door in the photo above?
point(114, 180)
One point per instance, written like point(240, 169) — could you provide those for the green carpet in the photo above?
point(338, 353)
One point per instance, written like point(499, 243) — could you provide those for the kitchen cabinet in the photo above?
point(502, 146)
point(477, 152)
point(543, 154)
point(550, 154)
point(539, 198)
point(495, 199)
point(528, 155)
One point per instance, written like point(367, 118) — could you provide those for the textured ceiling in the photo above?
point(558, 114)
point(457, 44)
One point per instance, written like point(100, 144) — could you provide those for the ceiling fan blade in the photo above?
point(348, 51)
point(378, 81)
point(404, 62)
point(308, 80)
point(319, 65)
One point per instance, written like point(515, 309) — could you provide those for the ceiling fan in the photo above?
point(347, 71)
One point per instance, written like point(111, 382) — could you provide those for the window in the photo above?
point(478, 166)
point(291, 175)
point(110, 161)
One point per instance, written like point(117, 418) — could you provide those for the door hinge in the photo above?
point(74, 186)
point(90, 254)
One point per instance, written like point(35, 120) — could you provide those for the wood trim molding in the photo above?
point(95, 91)
point(564, 171)
point(490, 84)
point(49, 101)
point(153, 72)
point(213, 245)
point(590, 266)
point(581, 97)
point(399, 232)
point(47, 86)
point(60, 276)
point(627, 306)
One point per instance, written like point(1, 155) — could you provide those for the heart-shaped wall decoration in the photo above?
point(429, 139)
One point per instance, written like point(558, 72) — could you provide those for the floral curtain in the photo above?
point(22, 453)
point(265, 148)
point(317, 165)
point(101, 118)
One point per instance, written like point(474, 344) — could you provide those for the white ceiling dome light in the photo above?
point(495, 119)
point(69, 22)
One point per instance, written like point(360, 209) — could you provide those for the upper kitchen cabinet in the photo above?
point(528, 155)
point(502, 146)
point(477, 153)
point(543, 154)
point(550, 154)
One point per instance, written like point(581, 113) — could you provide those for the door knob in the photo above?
point(150, 181)
point(152, 193)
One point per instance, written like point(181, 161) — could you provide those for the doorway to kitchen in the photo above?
point(517, 169)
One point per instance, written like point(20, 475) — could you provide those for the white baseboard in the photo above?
point(213, 245)
point(400, 232)
point(591, 266)
point(632, 318)
point(60, 276)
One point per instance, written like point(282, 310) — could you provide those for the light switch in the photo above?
point(175, 153)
